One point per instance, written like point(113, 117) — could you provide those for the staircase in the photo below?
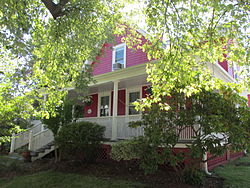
point(40, 141)
point(39, 153)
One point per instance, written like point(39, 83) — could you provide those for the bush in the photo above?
point(139, 148)
point(125, 150)
point(193, 176)
point(81, 138)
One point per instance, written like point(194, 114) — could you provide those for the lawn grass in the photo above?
point(53, 179)
point(236, 173)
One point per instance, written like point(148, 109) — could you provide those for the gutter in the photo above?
point(205, 166)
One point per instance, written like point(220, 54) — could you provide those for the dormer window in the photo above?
point(119, 57)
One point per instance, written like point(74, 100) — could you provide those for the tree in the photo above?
point(183, 37)
point(50, 39)
point(47, 43)
point(219, 121)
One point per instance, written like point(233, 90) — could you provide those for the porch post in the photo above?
point(115, 104)
point(30, 145)
point(12, 146)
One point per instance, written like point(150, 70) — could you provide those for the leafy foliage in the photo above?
point(218, 119)
point(125, 150)
point(185, 37)
point(43, 48)
point(81, 138)
point(13, 112)
point(193, 176)
point(63, 117)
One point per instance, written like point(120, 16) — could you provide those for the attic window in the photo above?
point(119, 57)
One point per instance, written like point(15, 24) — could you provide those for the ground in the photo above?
point(45, 173)
point(236, 174)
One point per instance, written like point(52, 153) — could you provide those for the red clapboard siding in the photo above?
point(224, 63)
point(121, 110)
point(92, 106)
point(235, 155)
point(219, 160)
point(144, 91)
point(121, 102)
point(103, 62)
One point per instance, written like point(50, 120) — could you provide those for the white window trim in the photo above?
point(103, 94)
point(130, 90)
point(113, 54)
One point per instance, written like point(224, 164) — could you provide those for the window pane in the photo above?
point(134, 96)
point(104, 108)
point(119, 55)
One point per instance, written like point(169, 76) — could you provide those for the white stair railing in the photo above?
point(40, 139)
point(21, 139)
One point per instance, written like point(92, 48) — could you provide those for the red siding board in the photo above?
point(121, 102)
point(144, 91)
point(224, 63)
point(219, 160)
point(223, 159)
point(103, 62)
point(121, 110)
point(92, 107)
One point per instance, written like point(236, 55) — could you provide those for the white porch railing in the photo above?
point(123, 129)
point(22, 139)
point(125, 132)
point(187, 134)
point(41, 139)
point(104, 121)
point(37, 137)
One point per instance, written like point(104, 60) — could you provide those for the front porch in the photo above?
point(112, 103)
point(122, 131)
point(111, 106)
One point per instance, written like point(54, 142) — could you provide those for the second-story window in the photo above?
point(119, 57)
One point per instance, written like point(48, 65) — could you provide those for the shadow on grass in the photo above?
point(236, 173)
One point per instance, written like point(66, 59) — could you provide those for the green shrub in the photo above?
point(82, 139)
point(125, 150)
point(139, 148)
point(193, 176)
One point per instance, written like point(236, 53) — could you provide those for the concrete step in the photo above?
point(16, 156)
point(34, 154)
point(39, 153)
point(42, 154)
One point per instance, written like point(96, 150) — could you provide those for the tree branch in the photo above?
point(56, 10)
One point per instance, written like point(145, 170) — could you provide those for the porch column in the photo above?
point(30, 145)
point(115, 104)
point(12, 146)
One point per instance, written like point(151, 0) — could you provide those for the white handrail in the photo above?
point(41, 139)
point(21, 139)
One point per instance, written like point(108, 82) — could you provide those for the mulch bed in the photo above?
point(165, 177)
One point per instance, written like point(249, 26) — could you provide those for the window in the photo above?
point(133, 96)
point(105, 108)
point(119, 57)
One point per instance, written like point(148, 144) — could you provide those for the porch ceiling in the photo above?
point(123, 83)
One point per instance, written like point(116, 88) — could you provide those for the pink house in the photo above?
point(120, 73)
point(121, 79)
